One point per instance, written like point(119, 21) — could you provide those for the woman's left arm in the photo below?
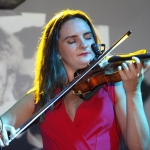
point(129, 106)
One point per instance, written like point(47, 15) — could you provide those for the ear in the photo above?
point(58, 56)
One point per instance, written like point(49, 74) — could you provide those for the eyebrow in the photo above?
point(72, 36)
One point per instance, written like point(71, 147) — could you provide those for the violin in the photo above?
point(91, 69)
point(106, 72)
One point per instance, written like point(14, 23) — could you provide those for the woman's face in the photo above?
point(75, 44)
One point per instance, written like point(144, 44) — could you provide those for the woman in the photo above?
point(73, 123)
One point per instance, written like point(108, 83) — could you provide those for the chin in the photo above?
point(83, 65)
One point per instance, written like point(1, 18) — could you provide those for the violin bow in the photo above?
point(65, 90)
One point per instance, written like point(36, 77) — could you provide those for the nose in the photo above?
point(83, 44)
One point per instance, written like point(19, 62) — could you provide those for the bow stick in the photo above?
point(65, 90)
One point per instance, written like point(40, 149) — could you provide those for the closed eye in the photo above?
point(71, 42)
point(88, 36)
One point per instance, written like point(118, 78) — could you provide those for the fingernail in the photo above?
point(2, 144)
point(129, 62)
point(125, 65)
point(136, 59)
point(119, 67)
point(6, 143)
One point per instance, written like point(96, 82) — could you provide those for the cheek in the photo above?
point(67, 51)
point(67, 55)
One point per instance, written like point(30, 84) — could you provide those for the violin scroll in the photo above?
point(98, 51)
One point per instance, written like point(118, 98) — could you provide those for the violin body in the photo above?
point(107, 71)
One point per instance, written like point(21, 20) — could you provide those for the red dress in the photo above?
point(94, 127)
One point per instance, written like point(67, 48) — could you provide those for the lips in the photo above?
point(84, 54)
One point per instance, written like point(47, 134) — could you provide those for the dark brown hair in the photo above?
point(50, 73)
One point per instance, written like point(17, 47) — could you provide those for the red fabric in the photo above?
point(94, 126)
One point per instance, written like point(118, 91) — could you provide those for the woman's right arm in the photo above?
point(16, 116)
